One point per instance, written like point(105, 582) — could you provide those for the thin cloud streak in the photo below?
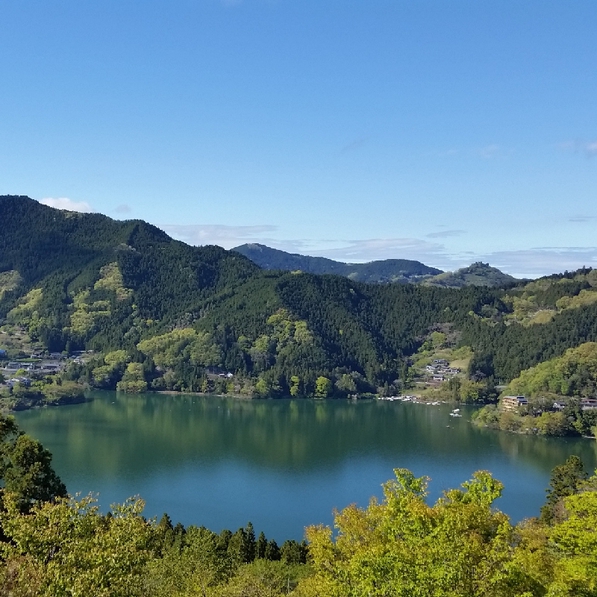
point(363, 250)
point(589, 148)
point(67, 204)
point(355, 144)
point(218, 234)
point(582, 219)
point(445, 233)
point(522, 263)
point(542, 261)
point(489, 151)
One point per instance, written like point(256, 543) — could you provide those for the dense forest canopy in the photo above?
point(186, 315)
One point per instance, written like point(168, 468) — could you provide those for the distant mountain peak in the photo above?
point(476, 274)
point(379, 271)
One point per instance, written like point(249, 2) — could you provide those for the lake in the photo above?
point(281, 464)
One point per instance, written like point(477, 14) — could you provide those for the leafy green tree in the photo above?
point(295, 386)
point(403, 547)
point(197, 567)
point(261, 546)
point(293, 552)
point(566, 479)
point(251, 544)
point(323, 387)
point(574, 539)
point(239, 548)
point(25, 468)
point(133, 380)
point(346, 384)
point(272, 551)
point(262, 578)
point(68, 547)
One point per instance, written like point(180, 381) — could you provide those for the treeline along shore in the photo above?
point(131, 309)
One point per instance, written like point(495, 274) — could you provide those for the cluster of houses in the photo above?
point(213, 373)
point(37, 365)
point(585, 404)
point(31, 369)
point(513, 403)
point(440, 370)
point(43, 367)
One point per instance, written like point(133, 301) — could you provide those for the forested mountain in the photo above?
point(377, 272)
point(383, 271)
point(160, 314)
point(477, 274)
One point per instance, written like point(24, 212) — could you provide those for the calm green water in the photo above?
point(281, 464)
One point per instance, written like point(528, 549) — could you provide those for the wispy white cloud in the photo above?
point(582, 218)
point(68, 204)
point(489, 151)
point(542, 261)
point(445, 233)
point(362, 250)
point(531, 263)
point(448, 152)
point(355, 144)
point(123, 208)
point(218, 234)
point(588, 148)
point(525, 262)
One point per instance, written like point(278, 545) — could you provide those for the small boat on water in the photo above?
point(455, 413)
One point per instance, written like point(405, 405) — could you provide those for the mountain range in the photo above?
point(376, 272)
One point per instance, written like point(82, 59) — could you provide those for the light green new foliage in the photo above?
point(111, 279)
point(323, 387)
point(133, 380)
point(170, 349)
point(9, 281)
point(114, 361)
point(404, 548)
point(575, 542)
point(582, 299)
point(262, 578)
point(527, 310)
point(285, 335)
point(288, 330)
point(68, 548)
point(572, 374)
point(27, 305)
point(116, 358)
point(87, 311)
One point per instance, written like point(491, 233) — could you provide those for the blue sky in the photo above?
point(447, 131)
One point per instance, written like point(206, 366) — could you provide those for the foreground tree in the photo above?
point(68, 548)
point(26, 468)
point(574, 540)
point(566, 479)
point(404, 547)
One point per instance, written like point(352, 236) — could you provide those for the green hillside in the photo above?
point(477, 274)
point(160, 314)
